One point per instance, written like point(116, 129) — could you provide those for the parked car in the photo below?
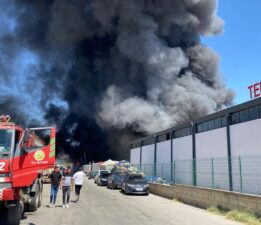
point(134, 184)
point(115, 179)
point(96, 178)
point(102, 179)
point(98, 174)
point(46, 175)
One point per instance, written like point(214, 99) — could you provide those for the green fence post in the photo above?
point(171, 172)
point(212, 170)
point(240, 172)
point(174, 172)
point(151, 170)
point(194, 172)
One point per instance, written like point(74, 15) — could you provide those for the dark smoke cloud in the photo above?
point(105, 72)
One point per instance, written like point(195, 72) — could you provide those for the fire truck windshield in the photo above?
point(5, 141)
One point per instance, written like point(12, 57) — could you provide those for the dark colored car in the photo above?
point(103, 178)
point(92, 174)
point(114, 180)
point(134, 184)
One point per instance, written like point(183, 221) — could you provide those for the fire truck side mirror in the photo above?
point(26, 136)
point(24, 149)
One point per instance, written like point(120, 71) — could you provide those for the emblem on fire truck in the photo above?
point(5, 118)
point(39, 155)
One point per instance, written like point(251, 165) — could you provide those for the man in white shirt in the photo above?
point(78, 181)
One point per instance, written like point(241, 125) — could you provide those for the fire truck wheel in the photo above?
point(14, 214)
point(33, 205)
point(40, 196)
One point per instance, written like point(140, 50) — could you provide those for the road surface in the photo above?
point(101, 206)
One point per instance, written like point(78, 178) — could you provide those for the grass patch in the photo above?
point(244, 217)
point(217, 210)
point(240, 216)
point(176, 200)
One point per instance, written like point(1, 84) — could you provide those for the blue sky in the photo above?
point(239, 47)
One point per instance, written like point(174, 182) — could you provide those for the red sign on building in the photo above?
point(255, 90)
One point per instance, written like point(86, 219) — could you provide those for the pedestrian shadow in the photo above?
point(56, 206)
point(73, 201)
point(5, 223)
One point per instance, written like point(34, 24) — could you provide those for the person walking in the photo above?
point(78, 182)
point(55, 179)
point(67, 186)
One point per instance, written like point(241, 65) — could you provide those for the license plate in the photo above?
point(139, 189)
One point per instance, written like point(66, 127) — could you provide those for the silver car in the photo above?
point(134, 184)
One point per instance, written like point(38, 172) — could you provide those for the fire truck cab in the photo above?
point(24, 155)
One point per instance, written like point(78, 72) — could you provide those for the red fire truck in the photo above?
point(24, 155)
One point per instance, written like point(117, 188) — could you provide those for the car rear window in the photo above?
point(136, 177)
point(105, 174)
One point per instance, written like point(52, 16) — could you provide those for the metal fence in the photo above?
point(240, 174)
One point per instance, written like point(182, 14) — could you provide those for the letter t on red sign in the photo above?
point(251, 90)
point(257, 90)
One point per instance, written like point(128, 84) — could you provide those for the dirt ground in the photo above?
point(101, 206)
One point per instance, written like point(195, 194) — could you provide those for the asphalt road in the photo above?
point(101, 206)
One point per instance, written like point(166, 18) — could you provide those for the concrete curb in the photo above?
point(206, 197)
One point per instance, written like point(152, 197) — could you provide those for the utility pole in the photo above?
point(84, 156)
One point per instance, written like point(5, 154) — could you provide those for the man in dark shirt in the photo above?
point(55, 182)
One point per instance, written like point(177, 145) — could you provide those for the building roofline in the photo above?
point(224, 112)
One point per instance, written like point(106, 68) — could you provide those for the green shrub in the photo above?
point(240, 216)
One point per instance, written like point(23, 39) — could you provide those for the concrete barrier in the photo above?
point(205, 197)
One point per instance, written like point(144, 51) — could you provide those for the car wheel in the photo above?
point(126, 190)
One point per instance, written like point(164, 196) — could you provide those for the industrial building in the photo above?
point(219, 142)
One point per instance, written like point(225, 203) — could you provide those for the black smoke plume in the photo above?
point(108, 71)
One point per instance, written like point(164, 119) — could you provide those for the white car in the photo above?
point(98, 175)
